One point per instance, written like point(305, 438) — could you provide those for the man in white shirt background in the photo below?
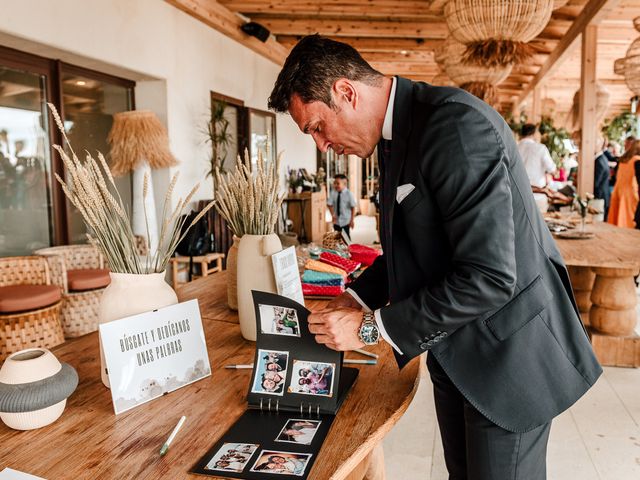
point(342, 205)
point(536, 157)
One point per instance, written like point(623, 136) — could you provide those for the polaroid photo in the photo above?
point(271, 372)
point(281, 463)
point(276, 320)
point(298, 431)
point(312, 378)
point(232, 457)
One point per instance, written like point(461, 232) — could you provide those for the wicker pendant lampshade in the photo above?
point(548, 107)
point(559, 3)
point(496, 32)
point(442, 80)
point(629, 65)
point(602, 104)
point(479, 80)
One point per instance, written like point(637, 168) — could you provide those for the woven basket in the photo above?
point(39, 328)
point(332, 240)
point(496, 31)
point(630, 64)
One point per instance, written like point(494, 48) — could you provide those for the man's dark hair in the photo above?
point(527, 130)
point(313, 66)
point(340, 176)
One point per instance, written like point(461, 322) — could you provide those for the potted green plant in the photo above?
point(219, 137)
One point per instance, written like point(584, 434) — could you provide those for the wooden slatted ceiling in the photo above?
point(399, 36)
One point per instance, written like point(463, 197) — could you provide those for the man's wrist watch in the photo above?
point(369, 333)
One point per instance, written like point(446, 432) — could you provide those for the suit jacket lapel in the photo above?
point(401, 128)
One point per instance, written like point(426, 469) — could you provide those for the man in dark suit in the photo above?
point(469, 273)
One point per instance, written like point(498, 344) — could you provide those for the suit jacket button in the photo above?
point(424, 346)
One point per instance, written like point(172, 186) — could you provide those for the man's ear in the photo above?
point(345, 92)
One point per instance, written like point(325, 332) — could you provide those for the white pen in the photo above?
point(165, 447)
point(364, 352)
point(360, 362)
point(240, 366)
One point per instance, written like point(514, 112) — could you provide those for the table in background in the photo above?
point(90, 442)
point(602, 270)
point(203, 260)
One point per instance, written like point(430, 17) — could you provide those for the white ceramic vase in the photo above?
point(28, 366)
point(129, 294)
point(255, 272)
point(232, 274)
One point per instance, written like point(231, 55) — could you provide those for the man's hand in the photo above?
point(344, 300)
point(351, 223)
point(337, 329)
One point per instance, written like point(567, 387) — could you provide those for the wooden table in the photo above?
point(203, 260)
point(90, 442)
point(602, 270)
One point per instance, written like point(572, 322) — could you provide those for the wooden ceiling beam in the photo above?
point(592, 13)
point(228, 23)
point(373, 44)
point(354, 28)
point(408, 57)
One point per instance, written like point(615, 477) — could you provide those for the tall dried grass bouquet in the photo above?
point(91, 189)
point(249, 200)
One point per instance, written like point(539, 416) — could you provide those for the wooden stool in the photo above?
point(203, 260)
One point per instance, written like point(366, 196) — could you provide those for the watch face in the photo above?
point(369, 333)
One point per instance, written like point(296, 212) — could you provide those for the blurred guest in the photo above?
point(536, 157)
point(601, 178)
point(624, 200)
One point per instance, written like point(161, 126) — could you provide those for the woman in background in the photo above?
point(624, 200)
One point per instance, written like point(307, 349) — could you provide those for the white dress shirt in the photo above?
point(537, 161)
point(387, 129)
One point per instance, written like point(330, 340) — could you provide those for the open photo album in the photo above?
point(295, 391)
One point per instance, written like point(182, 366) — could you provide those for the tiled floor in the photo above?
point(596, 439)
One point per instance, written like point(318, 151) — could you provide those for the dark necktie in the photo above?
point(338, 205)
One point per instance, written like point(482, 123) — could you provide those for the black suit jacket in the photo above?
point(470, 270)
point(601, 180)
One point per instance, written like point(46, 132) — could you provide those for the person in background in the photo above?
point(601, 174)
point(624, 200)
point(342, 205)
point(536, 157)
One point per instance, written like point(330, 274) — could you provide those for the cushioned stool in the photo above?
point(29, 306)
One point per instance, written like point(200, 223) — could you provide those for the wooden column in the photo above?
point(536, 106)
point(588, 110)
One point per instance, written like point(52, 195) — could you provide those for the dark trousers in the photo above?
point(477, 449)
point(338, 228)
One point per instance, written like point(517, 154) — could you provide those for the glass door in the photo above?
point(26, 220)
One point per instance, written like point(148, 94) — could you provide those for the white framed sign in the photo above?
point(285, 269)
point(154, 353)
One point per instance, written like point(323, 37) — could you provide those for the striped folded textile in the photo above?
point(322, 278)
point(311, 289)
point(345, 264)
point(319, 266)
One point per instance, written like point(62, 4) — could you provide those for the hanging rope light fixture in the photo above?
point(497, 32)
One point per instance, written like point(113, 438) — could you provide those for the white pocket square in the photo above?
point(403, 191)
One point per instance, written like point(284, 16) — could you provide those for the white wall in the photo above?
point(175, 59)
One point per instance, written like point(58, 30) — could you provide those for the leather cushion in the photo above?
point(21, 298)
point(87, 279)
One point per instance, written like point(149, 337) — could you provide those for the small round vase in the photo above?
point(232, 274)
point(255, 272)
point(34, 387)
point(129, 294)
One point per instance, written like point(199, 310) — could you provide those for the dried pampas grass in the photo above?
point(497, 52)
point(484, 91)
point(249, 200)
point(138, 137)
point(90, 187)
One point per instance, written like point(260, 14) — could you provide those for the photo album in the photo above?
point(296, 389)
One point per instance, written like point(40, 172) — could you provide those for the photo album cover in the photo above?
point(296, 388)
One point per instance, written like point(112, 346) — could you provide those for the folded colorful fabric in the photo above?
point(363, 254)
point(319, 266)
point(345, 264)
point(322, 278)
point(335, 252)
point(321, 290)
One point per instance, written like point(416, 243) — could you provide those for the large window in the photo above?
point(33, 210)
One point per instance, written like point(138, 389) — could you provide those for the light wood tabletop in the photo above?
point(90, 442)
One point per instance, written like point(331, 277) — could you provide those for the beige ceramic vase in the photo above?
point(232, 274)
point(255, 272)
point(25, 367)
point(129, 294)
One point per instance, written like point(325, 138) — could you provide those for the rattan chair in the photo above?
point(68, 264)
point(29, 306)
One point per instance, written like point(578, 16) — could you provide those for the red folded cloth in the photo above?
point(363, 254)
point(345, 264)
point(321, 290)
